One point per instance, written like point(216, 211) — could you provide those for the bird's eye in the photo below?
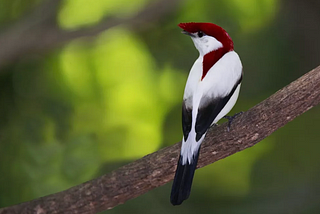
point(200, 34)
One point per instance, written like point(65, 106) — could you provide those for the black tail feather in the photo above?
point(182, 182)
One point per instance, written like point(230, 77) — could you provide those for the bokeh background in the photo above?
point(88, 86)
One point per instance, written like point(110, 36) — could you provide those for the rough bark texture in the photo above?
point(158, 168)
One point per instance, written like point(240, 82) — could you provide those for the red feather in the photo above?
point(211, 30)
point(210, 59)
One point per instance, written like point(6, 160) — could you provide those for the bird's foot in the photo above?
point(213, 125)
point(231, 118)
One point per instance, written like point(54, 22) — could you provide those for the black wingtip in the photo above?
point(182, 182)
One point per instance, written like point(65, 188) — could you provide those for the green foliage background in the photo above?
point(79, 111)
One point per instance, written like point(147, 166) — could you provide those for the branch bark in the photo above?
point(158, 168)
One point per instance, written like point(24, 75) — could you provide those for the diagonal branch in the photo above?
point(158, 168)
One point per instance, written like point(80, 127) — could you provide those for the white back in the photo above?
point(218, 82)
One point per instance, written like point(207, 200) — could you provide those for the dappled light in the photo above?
point(79, 13)
point(253, 14)
point(117, 77)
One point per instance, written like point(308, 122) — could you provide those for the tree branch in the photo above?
point(39, 31)
point(158, 168)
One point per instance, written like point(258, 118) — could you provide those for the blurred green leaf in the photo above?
point(127, 116)
point(79, 13)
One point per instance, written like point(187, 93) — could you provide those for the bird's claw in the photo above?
point(213, 125)
point(230, 119)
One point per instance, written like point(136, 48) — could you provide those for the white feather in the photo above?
point(206, 44)
point(218, 82)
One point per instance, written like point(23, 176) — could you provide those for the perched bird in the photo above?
point(211, 91)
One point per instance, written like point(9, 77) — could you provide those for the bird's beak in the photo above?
point(187, 33)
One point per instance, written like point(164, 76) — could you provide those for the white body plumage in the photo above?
point(211, 91)
point(219, 82)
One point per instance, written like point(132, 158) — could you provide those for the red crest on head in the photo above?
point(211, 30)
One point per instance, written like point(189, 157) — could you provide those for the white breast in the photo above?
point(218, 82)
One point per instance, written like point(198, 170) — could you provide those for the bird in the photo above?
point(211, 91)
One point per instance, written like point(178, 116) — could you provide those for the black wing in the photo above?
point(186, 120)
point(210, 110)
